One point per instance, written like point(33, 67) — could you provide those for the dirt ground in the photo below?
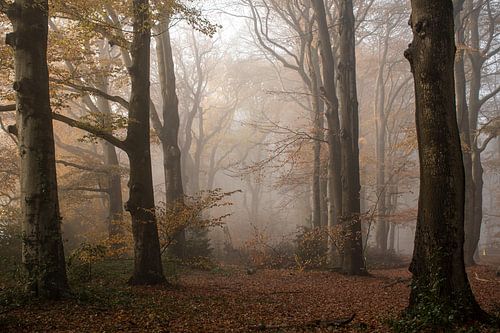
point(230, 300)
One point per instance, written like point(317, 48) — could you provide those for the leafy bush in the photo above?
point(312, 248)
point(82, 259)
point(194, 216)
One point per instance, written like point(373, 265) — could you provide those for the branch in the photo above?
point(105, 135)
point(487, 141)
point(490, 95)
point(86, 189)
point(95, 91)
point(82, 167)
point(8, 108)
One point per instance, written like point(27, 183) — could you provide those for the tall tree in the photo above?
point(168, 132)
point(353, 262)
point(141, 203)
point(438, 259)
point(332, 116)
point(43, 254)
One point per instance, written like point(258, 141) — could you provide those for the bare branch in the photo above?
point(8, 108)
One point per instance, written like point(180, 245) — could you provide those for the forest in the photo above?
point(249, 166)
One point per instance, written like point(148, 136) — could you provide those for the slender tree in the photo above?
point(353, 262)
point(43, 254)
point(438, 269)
point(168, 132)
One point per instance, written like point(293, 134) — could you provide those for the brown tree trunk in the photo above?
point(438, 268)
point(353, 262)
point(43, 254)
point(169, 134)
point(141, 204)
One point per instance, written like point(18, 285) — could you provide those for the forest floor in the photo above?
point(227, 299)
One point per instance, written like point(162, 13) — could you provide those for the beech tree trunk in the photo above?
point(464, 127)
point(475, 169)
point(141, 204)
point(170, 131)
point(381, 133)
point(330, 96)
point(318, 109)
point(114, 179)
point(438, 263)
point(353, 262)
point(43, 254)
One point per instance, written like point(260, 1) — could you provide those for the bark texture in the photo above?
point(439, 275)
point(43, 254)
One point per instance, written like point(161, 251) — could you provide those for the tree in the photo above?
point(43, 253)
point(353, 262)
point(141, 204)
point(439, 275)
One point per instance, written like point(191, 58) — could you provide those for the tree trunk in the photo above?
point(330, 96)
point(353, 262)
point(318, 109)
point(464, 127)
point(169, 136)
point(141, 204)
point(43, 254)
point(380, 126)
point(473, 225)
point(439, 275)
point(114, 179)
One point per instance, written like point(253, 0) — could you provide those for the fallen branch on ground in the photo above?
point(309, 325)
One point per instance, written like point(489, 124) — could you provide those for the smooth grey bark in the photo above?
point(438, 258)
point(353, 262)
point(43, 254)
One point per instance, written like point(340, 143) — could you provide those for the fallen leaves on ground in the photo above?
point(232, 301)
